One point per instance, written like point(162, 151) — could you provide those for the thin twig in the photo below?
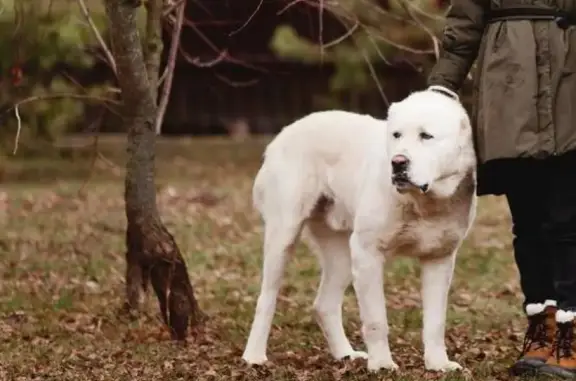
point(398, 45)
point(375, 77)
point(17, 139)
point(36, 98)
point(92, 164)
point(172, 54)
point(215, 49)
point(200, 4)
point(422, 12)
point(85, 90)
point(108, 162)
point(377, 48)
point(248, 20)
point(369, 30)
point(162, 77)
point(171, 7)
point(18, 11)
point(338, 40)
point(232, 83)
point(288, 6)
point(97, 35)
point(321, 29)
point(426, 29)
point(196, 61)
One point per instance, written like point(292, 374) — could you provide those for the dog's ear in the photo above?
point(465, 123)
point(391, 109)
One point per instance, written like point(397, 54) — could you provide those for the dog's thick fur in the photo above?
point(329, 177)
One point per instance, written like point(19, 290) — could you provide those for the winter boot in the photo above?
point(562, 363)
point(539, 338)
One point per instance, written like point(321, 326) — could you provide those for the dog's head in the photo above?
point(430, 145)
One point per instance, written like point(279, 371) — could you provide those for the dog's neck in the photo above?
point(448, 190)
point(452, 184)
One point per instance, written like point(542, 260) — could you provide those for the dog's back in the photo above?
point(302, 157)
point(330, 134)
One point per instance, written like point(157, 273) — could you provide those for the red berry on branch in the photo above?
point(16, 75)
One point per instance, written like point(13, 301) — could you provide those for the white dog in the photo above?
point(362, 190)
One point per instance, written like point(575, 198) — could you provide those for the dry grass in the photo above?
point(61, 266)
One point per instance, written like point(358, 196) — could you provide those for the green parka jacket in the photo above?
point(525, 86)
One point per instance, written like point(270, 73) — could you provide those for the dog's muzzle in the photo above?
point(400, 165)
point(403, 184)
point(400, 178)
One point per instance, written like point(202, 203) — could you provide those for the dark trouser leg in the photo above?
point(525, 198)
point(526, 194)
point(560, 231)
point(560, 228)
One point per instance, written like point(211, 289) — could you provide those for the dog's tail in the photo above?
point(286, 186)
point(258, 193)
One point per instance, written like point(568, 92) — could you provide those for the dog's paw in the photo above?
point(254, 360)
point(355, 355)
point(445, 366)
point(375, 365)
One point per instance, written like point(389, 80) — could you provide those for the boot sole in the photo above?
point(526, 367)
point(558, 372)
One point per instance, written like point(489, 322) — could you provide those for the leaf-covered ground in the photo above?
point(62, 265)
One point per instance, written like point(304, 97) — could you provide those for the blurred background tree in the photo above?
point(378, 30)
point(39, 42)
point(44, 45)
point(47, 48)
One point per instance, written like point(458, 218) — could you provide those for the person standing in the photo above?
point(524, 118)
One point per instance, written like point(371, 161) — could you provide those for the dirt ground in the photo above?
point(62, 266)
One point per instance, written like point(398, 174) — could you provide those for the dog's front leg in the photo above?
point(367, 272)
point(436, 279)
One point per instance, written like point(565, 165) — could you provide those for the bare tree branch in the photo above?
point(346, 18)
point(79, 85)
point(420, 11)
point(215, 49)
point(17, 139)
point(196, 61)
point(248, 20)
point(97, 34)
point(172, 55)
point(232, 83)
point(288, 6)
point(95, 153)
point(398, 45)
point(171, 7)
point(422, 26)
point(338, 40)
point(36, 98)
point(375, 77)
point(321, 28)
point(380, 54)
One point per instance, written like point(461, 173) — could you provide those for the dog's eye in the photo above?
point(425, 136)
point(396, 135)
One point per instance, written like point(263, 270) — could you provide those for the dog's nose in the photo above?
point(399, 163)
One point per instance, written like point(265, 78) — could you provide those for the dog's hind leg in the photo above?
point(279, 240)
point(436, 278)
point(333, 251)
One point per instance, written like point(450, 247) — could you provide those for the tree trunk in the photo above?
point(152, 254)
point(153, 44)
